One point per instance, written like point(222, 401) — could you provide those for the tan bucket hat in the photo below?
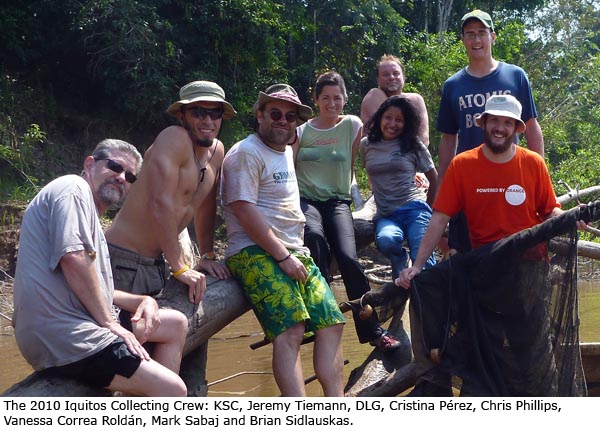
point(503, 106)
point(286, 93)
point(202, 91)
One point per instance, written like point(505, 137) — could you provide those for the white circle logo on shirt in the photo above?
point(515, 195)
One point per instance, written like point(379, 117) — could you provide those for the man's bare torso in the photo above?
point(375, 97)
point(169, 185)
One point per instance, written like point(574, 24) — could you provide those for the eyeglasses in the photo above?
point(276, 115)
point(117, 169)
point(198, 112)
point(482, 34)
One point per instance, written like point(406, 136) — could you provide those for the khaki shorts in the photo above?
point(137, 274)
point(280, 302)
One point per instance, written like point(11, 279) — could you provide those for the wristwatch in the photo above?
point(209, 255)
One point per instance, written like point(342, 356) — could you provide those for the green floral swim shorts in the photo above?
point(280, 302)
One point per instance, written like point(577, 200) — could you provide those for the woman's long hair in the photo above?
point(409, 140)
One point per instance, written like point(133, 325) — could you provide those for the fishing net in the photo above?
point(504, 323)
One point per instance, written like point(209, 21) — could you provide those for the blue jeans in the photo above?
point(408, 222)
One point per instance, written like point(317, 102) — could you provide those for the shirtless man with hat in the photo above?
point(178, 183)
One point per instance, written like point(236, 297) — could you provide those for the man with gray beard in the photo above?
point(63, 295)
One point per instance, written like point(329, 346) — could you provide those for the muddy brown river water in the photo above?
point(234, 370)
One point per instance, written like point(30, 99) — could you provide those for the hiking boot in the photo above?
point(386, 342)
point(425, 388)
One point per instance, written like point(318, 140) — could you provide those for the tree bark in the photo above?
point(223, 302)
point(444, 9)
point(364, 229)
point(385, 374)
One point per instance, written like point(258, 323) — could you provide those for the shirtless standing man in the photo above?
point(390, 82)
point(178, 183)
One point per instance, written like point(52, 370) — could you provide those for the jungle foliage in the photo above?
point(76, 71)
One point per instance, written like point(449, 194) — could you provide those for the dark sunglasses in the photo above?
point(276, 115)
point(198, 112)
point(117, 169)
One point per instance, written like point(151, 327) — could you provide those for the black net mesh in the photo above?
point(505, 324)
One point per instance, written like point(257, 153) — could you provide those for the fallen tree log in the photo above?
point(223, 302)
point(584, 248)
point(384, 374)
point(576, 194)
point(39, 384)
point(364, 229)
point(380, 374)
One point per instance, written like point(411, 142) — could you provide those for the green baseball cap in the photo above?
point(480, 15)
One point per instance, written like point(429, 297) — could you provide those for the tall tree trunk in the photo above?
point(444, 9)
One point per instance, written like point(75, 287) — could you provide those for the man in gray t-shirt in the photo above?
point(266, 250)
point(63, 295)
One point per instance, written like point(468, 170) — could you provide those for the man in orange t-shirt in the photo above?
point(502, 189)
point(499, 193)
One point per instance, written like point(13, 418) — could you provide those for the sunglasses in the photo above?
point(198, 112)
point(117, 169)
point(276, 115)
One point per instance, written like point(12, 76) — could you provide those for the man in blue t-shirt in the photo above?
point(464, 96)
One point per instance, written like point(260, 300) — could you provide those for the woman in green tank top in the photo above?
point(324, 155)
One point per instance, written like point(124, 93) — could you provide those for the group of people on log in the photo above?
point(84, 302)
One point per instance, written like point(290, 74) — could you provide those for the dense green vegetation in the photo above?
point(76, 71)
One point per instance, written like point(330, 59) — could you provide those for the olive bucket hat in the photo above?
point(202, 91)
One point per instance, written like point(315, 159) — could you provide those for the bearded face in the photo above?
point(111, 193)
point(274, 128)
point(110, 176)
point(201, 140)
point(202, 120)
point(390, 78)
point(499, 133)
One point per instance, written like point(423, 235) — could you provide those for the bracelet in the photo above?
point(285, 258)
point(180, 271)
point(209, 255)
